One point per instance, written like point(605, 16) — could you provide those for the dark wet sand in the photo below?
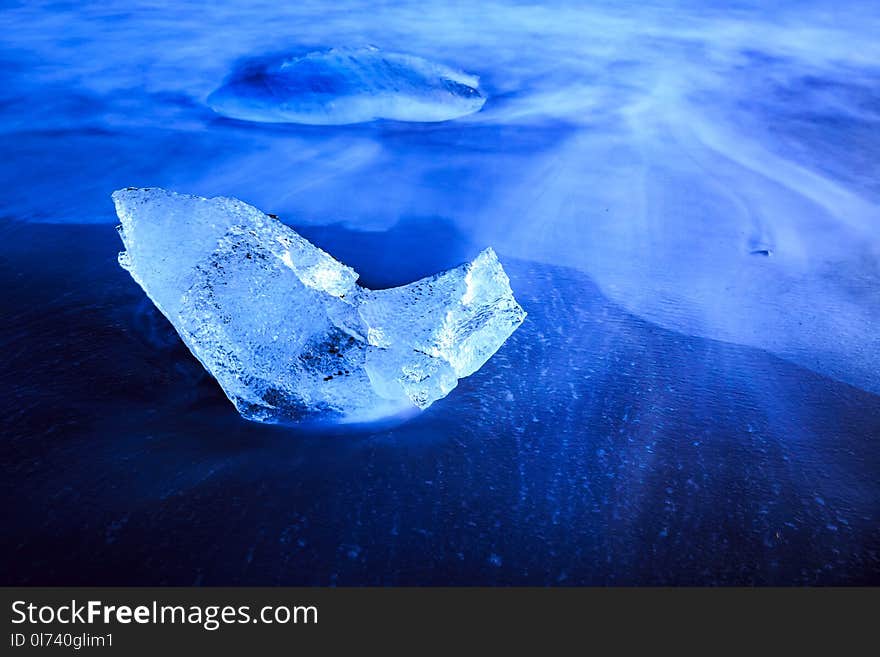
point(594, 448)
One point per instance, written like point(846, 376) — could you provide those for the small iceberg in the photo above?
point(343, 86)
point(284, 327)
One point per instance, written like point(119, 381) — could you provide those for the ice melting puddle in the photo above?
point(347, 85)
point(284, 327)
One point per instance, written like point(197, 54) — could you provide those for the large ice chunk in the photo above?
point(347, 85)
point(284, 327)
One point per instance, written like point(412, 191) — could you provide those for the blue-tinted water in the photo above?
point(678, 406)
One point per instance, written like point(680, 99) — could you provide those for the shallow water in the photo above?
point(685, 198)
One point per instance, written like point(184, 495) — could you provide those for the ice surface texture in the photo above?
point(343, 86)
point(284, 327)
